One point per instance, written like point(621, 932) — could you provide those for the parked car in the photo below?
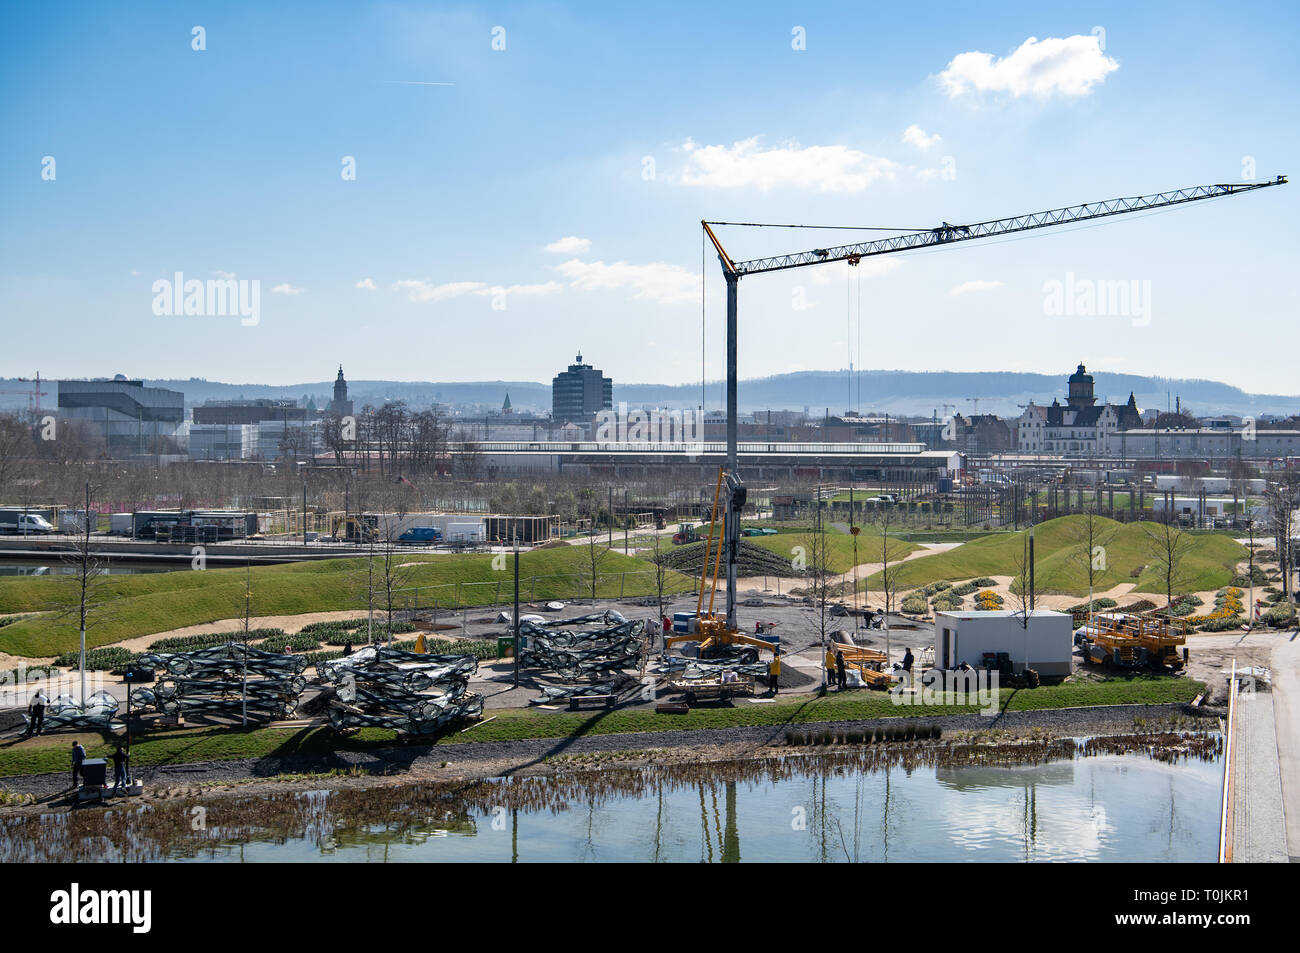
point(421, 536)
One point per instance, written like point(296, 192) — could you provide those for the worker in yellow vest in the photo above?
point(830, 665)
point(774, 670)
point(419, 643)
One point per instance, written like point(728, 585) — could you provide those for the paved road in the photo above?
point(1286, 711)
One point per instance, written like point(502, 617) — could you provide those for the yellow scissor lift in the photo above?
point(1127, 641)
point(710, 630)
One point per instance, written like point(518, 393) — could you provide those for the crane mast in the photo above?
point(944, 234)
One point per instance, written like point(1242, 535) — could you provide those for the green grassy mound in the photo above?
point(137, 605)
point(1209, 564)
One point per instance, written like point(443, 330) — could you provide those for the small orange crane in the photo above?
point(711, 630)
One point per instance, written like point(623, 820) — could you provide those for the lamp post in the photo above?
point(516, 615)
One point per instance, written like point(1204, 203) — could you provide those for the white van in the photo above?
point(26, 524)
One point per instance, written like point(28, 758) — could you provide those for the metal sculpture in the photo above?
point(598, 655)
point(410, 692)
point(65, 713)
point(230, 680)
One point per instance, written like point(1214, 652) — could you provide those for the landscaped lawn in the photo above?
point(135, 605)
point(839, 546)
point(1209, 563)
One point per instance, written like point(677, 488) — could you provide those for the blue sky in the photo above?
point(228, 161)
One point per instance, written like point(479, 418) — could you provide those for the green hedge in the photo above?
point(99, 660)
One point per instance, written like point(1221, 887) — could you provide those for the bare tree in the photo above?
point(1283, 499)
point(395, 568)
point(468, 459)
point(1169, 546)
point(595, 550)
point(334, 435)
point(1089, 534)
point(1021, 589)
point(817, 567)
point(16, 450)
point(83, 597)
point(889, 550)
point(890, 557)
point(661, 573)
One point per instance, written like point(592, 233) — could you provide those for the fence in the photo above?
point(556, 586)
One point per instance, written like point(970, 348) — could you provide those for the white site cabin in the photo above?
point(1048, 639)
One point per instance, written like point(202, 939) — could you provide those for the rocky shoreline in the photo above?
point(472, 761)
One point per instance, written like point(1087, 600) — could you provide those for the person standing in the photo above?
point(841, 675)
point(36, 721)
point(121, 764)
point(78, 756)
point(774, 670)
point(347, 646)
point(908, 659)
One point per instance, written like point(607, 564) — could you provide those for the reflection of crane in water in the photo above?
point(1031, 819)
point(727, 833)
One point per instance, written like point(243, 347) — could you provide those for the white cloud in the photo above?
point(285, 289)
point(745, 164)
point(570, 245)
point(366, 284)
point(657, 281)
point(977, 285)
point(916, 136)
point(1070, 65)
point(421, 291)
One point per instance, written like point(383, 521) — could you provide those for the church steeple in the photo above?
point(340, 404)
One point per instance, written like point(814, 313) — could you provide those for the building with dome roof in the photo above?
point(1079, 427)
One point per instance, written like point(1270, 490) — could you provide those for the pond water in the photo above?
point(29, 567)
point(1105, 807)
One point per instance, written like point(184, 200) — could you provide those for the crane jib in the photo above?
point(947, 233)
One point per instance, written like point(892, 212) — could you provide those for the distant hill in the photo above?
point(924, 392)
point(895, 392)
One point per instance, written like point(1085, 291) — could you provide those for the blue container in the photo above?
point(682, 622)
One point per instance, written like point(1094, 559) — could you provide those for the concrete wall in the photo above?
point(1049, 639)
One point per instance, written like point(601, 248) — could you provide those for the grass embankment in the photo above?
point(839, 546)
point(1209, 563)
point(182, 746)
point(131, 606)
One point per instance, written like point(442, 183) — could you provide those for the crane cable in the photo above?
point(703, 311)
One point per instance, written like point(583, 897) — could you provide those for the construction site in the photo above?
point(494, 449)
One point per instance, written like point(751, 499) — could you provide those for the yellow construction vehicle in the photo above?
point(1160, 638)
point(353, 529)
point(1116, 640)
point(711, 630)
